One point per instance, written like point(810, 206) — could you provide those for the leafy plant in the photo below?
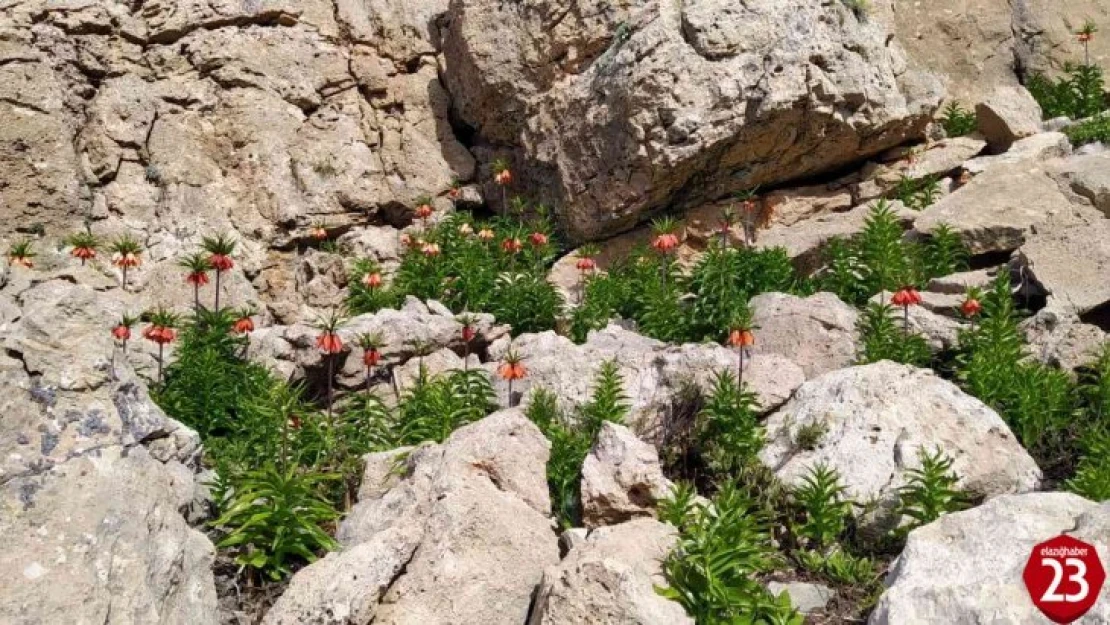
point(1093, 130)
point(883, 337)
point(957, 121)
point(820, 496)
point(917, 194)
point(943, 253)
point(712, 571)
point(368, 295)
point(275, 517)
point(930, 491)
point(727, 428)
point(1077, 94)
point(431, 409)
point(810, 435)
point(840, 567)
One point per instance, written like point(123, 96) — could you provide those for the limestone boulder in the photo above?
point(987, 219)
point(1045, 33)
point(967, 567)
point(621, 478)
point(818, 332)
point(877, 417)
point(461, 533)
point(1039, 147)
point(610, 577)
point(1008, 114)
point(1063, 340)
point(619, 109)
point(1089, 176)
point(1070, 266)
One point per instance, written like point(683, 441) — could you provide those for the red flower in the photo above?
point(295, 422)
point(371, 357)
point(129, 259)
point(512, 245)
point(121, 332)
point(424, 211)
point(971, 307)
point(503, 177)
point(83, 253)
point(454, 193)
point(243, 325)
point(664, 243)
point(221, 262)
point(538, 239)
point(159, 334)
point(198, 278)
point(1084, 37)
point(586, 264)
point(372, 280)
point(906, 296)
point(468, 333)
point(430, 250)
point(319, 233)
point(329, 343)
point(741, 338)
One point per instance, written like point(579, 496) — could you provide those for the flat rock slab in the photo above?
point(988, 219)
point(1071, 266)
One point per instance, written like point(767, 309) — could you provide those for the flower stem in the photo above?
point(123, 285)
point(161, 347)
point(218, 272)
point(331, 373)
point(740, 370)
point(510, 393)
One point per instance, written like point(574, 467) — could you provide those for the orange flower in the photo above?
point(906, 296)
point(538, 239)
point(512, 245)
point(126, 260)
point(430, 250)
point(664, 243)
point(485, 234)
point(424, 211)
point(121, 332)
point(512, 367)
point(319, 233)
point(159, 334)
point(466, 230)
point(197, 278)
point(243, 325)
point(741, 338)
point(83, 253)
point(971, 307)
point(329, 343)
point(372, 280)
point(221, 262)
point(503, 177)
point(586, 264)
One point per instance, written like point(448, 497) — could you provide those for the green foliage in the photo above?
point(930, 491)
point(1037, 401)
point(824, 506)
point(883, 336)
point(276, 515)
point(603, 297)
point(727, 428)
point(1092, 475)
point(1090, 131)
point(677, 508)
point(722, 549)
point(917, 194)
point(840, 567)
point(362, 299)
point(474, 274)
point(571, 441)
point(1077, 94)
point(880, 259)
point(432, 408)
point(957, 121)
point(725, 278)
point(810, 435)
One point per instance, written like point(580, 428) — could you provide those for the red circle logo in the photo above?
point(1064, 576)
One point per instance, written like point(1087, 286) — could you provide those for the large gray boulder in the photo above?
point(1008, 114)
point(817, 332)
point(609, 578)
point(621, 478)
point(620, 109)
point(966, 568)
point(877, 417)
point(1062, 340)
point(985, 216)
point(458, 532)
point(1070, 266)
point(93, 484)
point(1089, 176)
point(653, 372)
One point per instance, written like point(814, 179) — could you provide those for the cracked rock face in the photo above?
point(629, 109)
point(92, 485)
point(877, 417)
point(462, 534)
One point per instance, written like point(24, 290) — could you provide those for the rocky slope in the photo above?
point(176, 119)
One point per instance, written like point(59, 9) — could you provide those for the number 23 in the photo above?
point(1080, 577)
